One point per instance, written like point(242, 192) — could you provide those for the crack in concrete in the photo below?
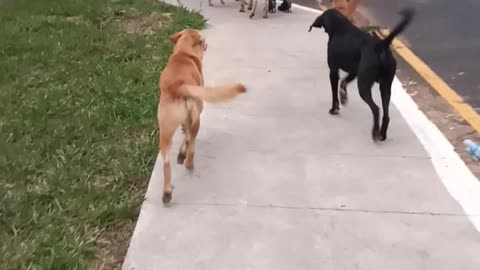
point(326, 209)
point(340, 155)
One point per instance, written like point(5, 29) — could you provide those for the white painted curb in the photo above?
point(457, 178)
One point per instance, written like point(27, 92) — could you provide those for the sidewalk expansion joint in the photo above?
point(333, 154)
point(327, 209)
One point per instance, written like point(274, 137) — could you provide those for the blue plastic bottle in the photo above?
point(472, 148)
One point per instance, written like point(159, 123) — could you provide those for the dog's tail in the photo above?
point(213, 94)
point(407, 14)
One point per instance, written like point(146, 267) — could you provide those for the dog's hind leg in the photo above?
point(254, 8)
point(334, 85)
point(343, 88)
point(365, 89)
point(165, 141)
point(251, 5)
point(243, 3)
point(386, 92)
point(192, 136)
point(183, 148)
point(265, 10)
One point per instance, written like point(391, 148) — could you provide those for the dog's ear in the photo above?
point(317, 23)
point(175, 37)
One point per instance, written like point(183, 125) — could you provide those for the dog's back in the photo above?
point(347, 43)
point(180, 69)
point(182, 77)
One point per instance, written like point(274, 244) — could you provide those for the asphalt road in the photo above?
point(445, 35)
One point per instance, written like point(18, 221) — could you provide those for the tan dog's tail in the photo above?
point(213, 94)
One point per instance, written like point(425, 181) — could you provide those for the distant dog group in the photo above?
point(361, 55)
point(269, 6)
point(346, 7)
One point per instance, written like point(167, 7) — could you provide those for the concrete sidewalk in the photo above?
point(281, 184)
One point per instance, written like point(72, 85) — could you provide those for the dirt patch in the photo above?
point(111, 245)
point(75, 20)
point(143, 24)
point(112, 258)
point(78, 20)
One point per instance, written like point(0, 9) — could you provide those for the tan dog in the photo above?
point(211, 4)
point(181, 100)
point(252, 5)
point(242, 5)
point(346, 7)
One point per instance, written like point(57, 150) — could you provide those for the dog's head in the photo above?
point(331, 20)
point(191, 41)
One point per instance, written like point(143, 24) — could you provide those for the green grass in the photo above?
point(78, 100)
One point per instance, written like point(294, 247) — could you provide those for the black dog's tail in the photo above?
point(407, 14)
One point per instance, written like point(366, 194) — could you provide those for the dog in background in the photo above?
point(252, 5)
point(272, 6)
point(181, 100)
point(346, 7)
point(242, 5)
point(285, 6)
point(364, 56)
point(221, 1)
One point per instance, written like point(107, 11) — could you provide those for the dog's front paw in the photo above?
point(376, 135)
point(251, 15)
point(334, 111)
point(383, 136)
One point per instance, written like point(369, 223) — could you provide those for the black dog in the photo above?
point(285, 6)
point(364, 56)
point(272, 6)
